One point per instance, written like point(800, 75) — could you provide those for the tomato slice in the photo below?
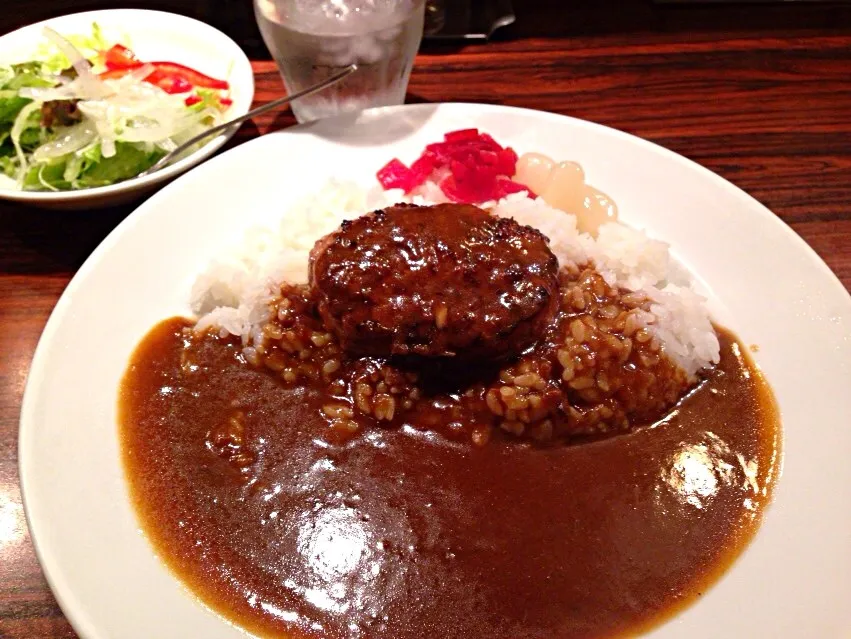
point(395, 175)
point(464, 135)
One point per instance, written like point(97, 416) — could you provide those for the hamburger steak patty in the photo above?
point(439, 281)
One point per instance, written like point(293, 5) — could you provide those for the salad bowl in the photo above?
point(195, 67)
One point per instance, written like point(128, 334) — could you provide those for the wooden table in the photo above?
point(759, 94)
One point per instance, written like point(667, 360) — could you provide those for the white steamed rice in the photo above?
point(234, 292)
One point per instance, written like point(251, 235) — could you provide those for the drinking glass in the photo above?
point(311, 40)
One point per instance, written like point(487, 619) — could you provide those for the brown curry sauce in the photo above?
point(401, 533)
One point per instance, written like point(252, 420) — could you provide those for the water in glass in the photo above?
point(313, 39)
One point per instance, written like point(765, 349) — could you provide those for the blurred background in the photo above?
point(450, 20)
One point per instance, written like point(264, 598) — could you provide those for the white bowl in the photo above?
point(152, 35)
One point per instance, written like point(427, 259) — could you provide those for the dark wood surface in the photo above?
point(761, 94)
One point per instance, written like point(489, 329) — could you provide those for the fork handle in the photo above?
point(169, 157)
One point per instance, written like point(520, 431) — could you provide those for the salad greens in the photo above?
point(86, 169)
point(51, 60)
point(83, 114)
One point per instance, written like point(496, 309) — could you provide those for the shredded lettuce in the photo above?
point(10, 105)
point(27, 74)
point(129, 160)
point(9, 165)
point(12, 79)
point(210, 99)
point(28, 118)
point(90, 169)
point(46, 176)
point(6, 74)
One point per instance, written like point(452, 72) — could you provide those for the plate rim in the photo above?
point(73, 611)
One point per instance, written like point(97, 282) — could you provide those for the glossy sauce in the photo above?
point(400, 533)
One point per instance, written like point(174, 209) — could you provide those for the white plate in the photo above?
point(763, 280)
point(152, 35)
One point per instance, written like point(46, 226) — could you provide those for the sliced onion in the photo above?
point(93, 109)
point(104, 125)
point(47, 93)
point(68, 141)
point(72, 167)
point(42, 181)
point(152, 133)
point(167, 145)
point(107, 147)
point(137, 75)
point(155, 133)
point(91, 84)
point(79, 62)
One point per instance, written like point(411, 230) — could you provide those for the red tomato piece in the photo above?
point(440, 151)
point(505, 186)
point(470, 167)
point(489, 158)
point(423, 167)
point(460, 171)
point(486, 139)
point(450, 189)
point(463, 135)
point(507, 161)
point(395, 175)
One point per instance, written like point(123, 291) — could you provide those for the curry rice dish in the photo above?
point(448, 431)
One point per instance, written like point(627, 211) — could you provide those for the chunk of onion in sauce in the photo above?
point(563, 186)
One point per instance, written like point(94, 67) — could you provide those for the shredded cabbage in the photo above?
point(6, 74)
point(23, 122)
